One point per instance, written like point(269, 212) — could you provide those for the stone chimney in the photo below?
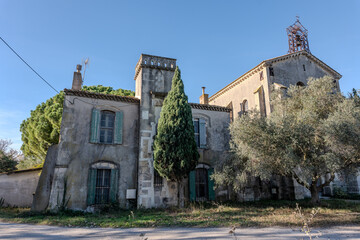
point(77, 79)
point(204, 98)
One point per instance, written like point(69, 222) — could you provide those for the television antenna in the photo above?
point(84, 63)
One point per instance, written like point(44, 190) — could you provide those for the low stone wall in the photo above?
point(17, 188)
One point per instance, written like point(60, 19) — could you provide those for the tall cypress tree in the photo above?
point(175, 150)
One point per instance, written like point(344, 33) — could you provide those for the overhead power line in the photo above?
point(28, 65)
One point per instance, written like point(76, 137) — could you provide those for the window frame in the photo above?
point(113, 180)
point(158, 180)
point(201, 134)
point(107, 129)
point(196, 122)
point(96, 126)
point(102, 186)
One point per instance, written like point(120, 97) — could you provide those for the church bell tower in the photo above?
point(298, 37)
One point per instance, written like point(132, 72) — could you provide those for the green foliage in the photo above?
point(7, 157)
point(108, 90)
point(355, 96)
point(175, 150)
point(296, 139)
point(42, 128)
point(7, 164)
point(342, 131)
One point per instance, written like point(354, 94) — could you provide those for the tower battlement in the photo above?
point(151, 61)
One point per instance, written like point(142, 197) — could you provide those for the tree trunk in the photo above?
point(181, 200)
point(315, 200)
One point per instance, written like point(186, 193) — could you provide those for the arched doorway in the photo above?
point(201, 186)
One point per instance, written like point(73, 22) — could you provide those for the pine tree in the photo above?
point(175, 150)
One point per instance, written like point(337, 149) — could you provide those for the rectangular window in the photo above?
point(102, 189)
point(304, 67)
point(197, 131)
point(158, 180)
point(261, 75)
point(271, 70)
point(201, 184)
point(107, 127)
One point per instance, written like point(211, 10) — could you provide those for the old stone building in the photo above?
point(105, 149)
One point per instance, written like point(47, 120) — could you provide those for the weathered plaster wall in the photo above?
point(76, 153)
point(217, 135)
point(245, 91)
point(43, 189)
point(291, 71)
point(17, 188)
point(217, 142)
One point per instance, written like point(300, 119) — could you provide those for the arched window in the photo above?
point(201, 184)
point(300, 84)
point(245, 106)
point(103, 183)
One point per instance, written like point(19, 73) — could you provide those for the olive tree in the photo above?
point(312, 132)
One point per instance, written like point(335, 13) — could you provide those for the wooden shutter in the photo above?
point(95, 122)
point(91, 187)
point(202, 133)
point(192, 188)
point(211, 185)
point(118, 128)
point(114, 181)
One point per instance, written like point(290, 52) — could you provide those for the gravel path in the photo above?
point(26, 231)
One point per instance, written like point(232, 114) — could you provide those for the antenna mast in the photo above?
point(85, 63)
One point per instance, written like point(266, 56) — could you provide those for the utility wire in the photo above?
point(28, 65)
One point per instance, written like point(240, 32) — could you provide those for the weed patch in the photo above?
point(250, 214)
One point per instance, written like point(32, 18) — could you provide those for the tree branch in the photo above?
point(301, 182)
point(327, 182)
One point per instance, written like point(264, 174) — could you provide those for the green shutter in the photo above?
point(118, 128)
point(211, 185)
point(192, 189)
point(114, 180)
point(202, 133)
point(91, 187)
point(95, 122)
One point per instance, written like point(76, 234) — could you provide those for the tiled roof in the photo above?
point(110, 97)
point(209, 107)
point(22, 170)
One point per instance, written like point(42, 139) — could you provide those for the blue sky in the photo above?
point(214, 42)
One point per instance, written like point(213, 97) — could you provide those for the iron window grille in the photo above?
point(158, 180)
point(102, 189)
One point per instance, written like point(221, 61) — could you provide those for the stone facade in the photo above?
point(153, 77)
point(83, 165)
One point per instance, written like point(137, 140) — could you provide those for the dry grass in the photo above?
point(254, 214)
